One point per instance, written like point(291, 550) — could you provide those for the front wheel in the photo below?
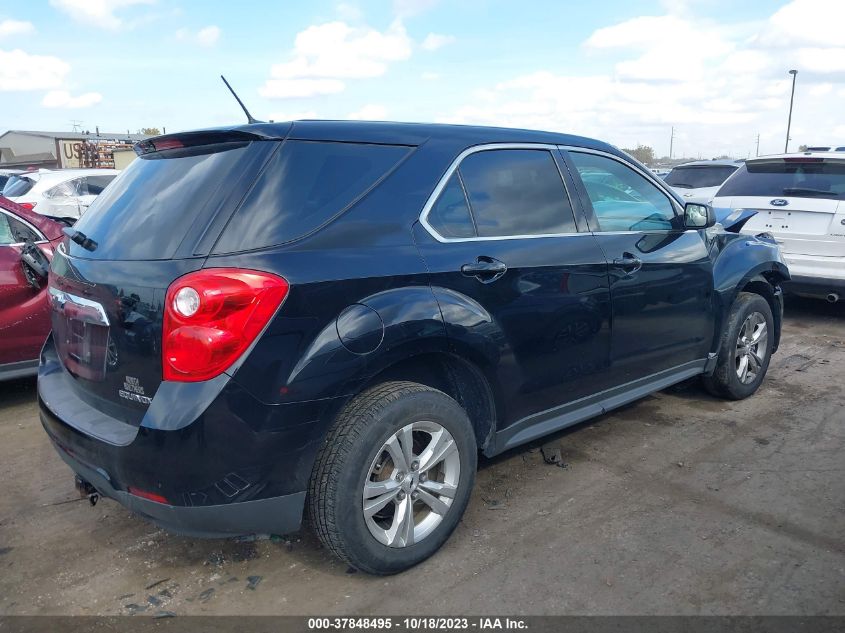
point(393, 477)
point(745, 349)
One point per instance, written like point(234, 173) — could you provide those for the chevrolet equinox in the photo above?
point(334, 318)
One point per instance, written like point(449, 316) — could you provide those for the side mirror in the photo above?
point(698, 216)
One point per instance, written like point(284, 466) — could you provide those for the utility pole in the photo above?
point(758, 145)
point(794, 74)
point(671, 142)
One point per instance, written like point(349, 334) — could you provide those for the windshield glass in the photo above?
point(797, 179)
point(18, 186)
point(696, 177)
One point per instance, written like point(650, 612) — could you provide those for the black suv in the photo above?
point(337, 316)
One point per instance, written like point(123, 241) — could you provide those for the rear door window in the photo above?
point(801, 178)
point(304, 186)
point(514, 192)
point(450, 215)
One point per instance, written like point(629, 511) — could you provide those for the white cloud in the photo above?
point(15, 27)
point(821, 60)
point(206, 36)
point(430, 76)
point(811, 22)
point(369, 112)
point(717, 83)
point(20, 71)
point(326, 54)
point(101, 13)
point(667, 46)
point(63, 99)
point(433, 41)
point(821, 90)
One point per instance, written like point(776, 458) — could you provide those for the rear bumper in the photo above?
point(240, 467)
point(275, 515)
point(815, 286)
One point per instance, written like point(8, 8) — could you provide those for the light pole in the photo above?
point(794, 74)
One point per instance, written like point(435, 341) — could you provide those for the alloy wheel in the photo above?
point(751, 347)
point(411, 484)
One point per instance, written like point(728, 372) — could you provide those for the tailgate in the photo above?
point(802, 226)
point(107, 323)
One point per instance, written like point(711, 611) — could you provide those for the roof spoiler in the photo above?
point(194, 139)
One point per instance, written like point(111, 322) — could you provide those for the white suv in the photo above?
point(800, 200)
point(699, 180)
point(61, 193)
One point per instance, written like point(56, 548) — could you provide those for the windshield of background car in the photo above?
point(810, 178)
point(697, 177)
point(18, 186)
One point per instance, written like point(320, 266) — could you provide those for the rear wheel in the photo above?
point(745, 349)
point(393, 477)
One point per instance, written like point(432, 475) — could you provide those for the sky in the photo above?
point(624, 71)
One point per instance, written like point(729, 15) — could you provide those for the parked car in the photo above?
point(800, 199)
point(699, 181)
point(26, 244)
point(5, 174)
point(337, 316)
point(61, 193)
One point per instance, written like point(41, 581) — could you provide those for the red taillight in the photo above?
point(211, 316)
point(167, 143)
point(152, 496)
point(28, 205)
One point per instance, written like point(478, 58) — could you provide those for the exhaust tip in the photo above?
point(832, 297)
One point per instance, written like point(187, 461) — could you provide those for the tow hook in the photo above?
point(85, 489)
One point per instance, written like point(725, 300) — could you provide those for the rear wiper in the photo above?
point(80, 238)
point(682, 184)
point(807, 190)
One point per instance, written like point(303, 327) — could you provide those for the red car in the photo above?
point(27, 240)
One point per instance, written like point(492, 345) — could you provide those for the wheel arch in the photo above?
point(767, 285)
point(459, 378)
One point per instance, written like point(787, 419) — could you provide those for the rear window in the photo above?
point(304, 185)
point(96, 184)
point(17, 186)
point(697, 177)
point(798, 179)
point(162, 198)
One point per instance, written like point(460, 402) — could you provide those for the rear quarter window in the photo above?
point(304, 185)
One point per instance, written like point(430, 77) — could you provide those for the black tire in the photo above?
point(343, 464)
point(724, 382)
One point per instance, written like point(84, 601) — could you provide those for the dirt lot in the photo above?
point(679, 504)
